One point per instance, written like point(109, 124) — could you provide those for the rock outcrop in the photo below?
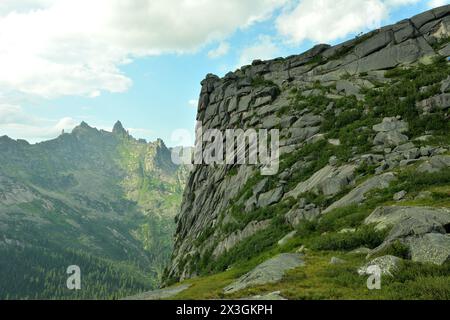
point(422, 229)
point(270, 271)
point(386, 265)
point(261, 95)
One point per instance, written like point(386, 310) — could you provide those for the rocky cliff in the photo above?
point(353, 119)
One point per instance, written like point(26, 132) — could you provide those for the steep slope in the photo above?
point(356, 121)
point(92, 195)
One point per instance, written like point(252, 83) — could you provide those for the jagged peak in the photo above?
point(160, 143)
point(119, 129)
point(83, 127)
point(6, 138)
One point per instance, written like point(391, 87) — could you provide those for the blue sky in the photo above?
point(146, 74)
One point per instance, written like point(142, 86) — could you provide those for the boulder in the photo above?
point(260, 186)
point(296, 216)
point(439, 102)
point(338, 181)
point(347, 87)
point(308, 120)
point(391, 124)
point(251, 203)
point(445, 85)
point(430, 248)
point(329, 181)
point(400, 195)
point(409, 221)
point(286, 238)
point(298, 135)
point(271, 122)
point(236, 237)
point(270, 271)
point(357, 195)
point(435, 164)
point(391, 138)
point(270, 197)
point(387, 264)
point(415, 227)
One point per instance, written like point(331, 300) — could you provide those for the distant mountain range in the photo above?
point(101, 199)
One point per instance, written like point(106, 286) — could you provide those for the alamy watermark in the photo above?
point(374, 281)
point(74, 280)
point(232, 146)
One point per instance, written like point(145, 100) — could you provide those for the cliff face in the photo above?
point(306, 97)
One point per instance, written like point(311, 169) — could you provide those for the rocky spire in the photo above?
point(118, 129)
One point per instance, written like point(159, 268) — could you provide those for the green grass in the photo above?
point(318, 279)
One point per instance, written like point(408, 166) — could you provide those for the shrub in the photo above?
point(365, 236)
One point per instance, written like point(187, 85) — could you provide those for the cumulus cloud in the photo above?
point(52, 48)
point(329, 20)
point(15, 122)
point(193, 103)
point(221, 50)
point(265, 48)
point(437, 3)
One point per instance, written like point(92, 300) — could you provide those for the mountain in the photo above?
point(101, 200)
point(364, 171)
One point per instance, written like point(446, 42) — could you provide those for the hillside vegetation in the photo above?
point(100, 200)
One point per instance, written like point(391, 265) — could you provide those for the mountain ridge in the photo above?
point(105, 194)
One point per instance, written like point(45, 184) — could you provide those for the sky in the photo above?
point(142, 61)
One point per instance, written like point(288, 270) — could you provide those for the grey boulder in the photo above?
point(391, 138)
point(270, 271)
point(270, 197)
point(391, 124)
point(409, 221)
point(435, 164)
point(386, 264)
point(357, 195)
point(430, 248)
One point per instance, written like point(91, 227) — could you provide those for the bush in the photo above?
point(365, 236)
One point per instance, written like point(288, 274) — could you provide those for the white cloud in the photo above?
point(396, 3)
point(263, 49)
point(52, 48)
point(140, 132)
point(16, 123)
point(193, 103)
point(437, 3)
point(329, 20)
point(221, 50)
